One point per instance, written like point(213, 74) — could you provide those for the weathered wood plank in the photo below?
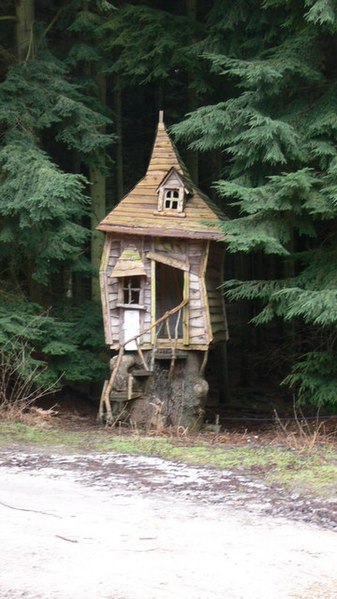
point(195, 302)
point(218, 328)
point(103, 289)
point(105, 254)
point(195, 285)
point(105, 308)
point(215, 300)
point(195, 267)
point(186, 296)
point(153, 300)
point(198, 232)
point(217, 312)
point(214, 293)
point(198, 332)
point(195, 299)
point(198, 340)
point(196, 312)
point(112, 292)
point(194, 278)
point(168, 260)
point(217, 318)
point(197, 323)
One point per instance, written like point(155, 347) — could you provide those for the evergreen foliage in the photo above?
point(47, 118)
point(277, 127)
point(162, 48)
point(266, 73)
point(58, 346)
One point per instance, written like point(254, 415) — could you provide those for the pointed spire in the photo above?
point(164, 154)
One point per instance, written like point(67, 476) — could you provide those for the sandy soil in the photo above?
point(123, 527)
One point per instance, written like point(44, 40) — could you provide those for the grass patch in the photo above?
point(317, 477)
point(306, 471)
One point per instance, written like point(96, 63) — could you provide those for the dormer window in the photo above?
point(172, 194)
point(171, 201)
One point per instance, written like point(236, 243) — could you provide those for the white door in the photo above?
point(131, 327)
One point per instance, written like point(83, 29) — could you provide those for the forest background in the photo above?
point(249, 90)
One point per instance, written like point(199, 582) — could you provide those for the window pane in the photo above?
point(131, 290)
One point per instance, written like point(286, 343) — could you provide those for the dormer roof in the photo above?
point(182, 180)
point(137, 213)
point(129, 264)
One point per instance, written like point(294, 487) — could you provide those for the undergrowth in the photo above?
point(304, 469)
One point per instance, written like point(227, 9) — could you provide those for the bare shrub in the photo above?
point(21, 380)
point(300, 433)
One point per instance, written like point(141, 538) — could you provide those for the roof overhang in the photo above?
point(162, 232)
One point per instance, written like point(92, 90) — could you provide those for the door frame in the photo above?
point(186, 290)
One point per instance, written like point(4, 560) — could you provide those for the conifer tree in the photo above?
point(83, 22)
point(45, 118)
point(277, 129)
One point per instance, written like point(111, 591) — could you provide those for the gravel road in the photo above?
point(125, 527)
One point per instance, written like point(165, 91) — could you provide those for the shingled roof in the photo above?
point(137, 212)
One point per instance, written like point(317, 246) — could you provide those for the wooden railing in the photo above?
point(108, 385)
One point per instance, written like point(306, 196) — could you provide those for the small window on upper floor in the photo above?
point(171, 201)
point(173, 192)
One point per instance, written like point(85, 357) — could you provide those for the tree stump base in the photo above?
point(174, 398)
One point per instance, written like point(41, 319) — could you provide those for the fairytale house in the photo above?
point(160, 274)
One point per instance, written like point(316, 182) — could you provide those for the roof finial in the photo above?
point(161, 119)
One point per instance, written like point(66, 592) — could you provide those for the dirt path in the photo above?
point(122, 527)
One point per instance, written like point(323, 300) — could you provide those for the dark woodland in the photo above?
point(249, 93)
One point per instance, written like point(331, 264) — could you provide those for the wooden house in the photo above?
point(160, 274)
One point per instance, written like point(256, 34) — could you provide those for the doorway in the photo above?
point(169, 294)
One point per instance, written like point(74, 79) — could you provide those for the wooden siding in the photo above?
point(172, 248)
point(199, 329)
point(198, 310)
point(104, 290)
point(204, 316)
point(112, 290)
point(147, 317)
point(112, 314)
point(215, 297)
point(197, 320)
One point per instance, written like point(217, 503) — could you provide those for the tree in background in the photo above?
point(46, 118)
point(277, 128)
point(263, 76)
point(55, 112)
point(82, 23)
point(162, 61)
